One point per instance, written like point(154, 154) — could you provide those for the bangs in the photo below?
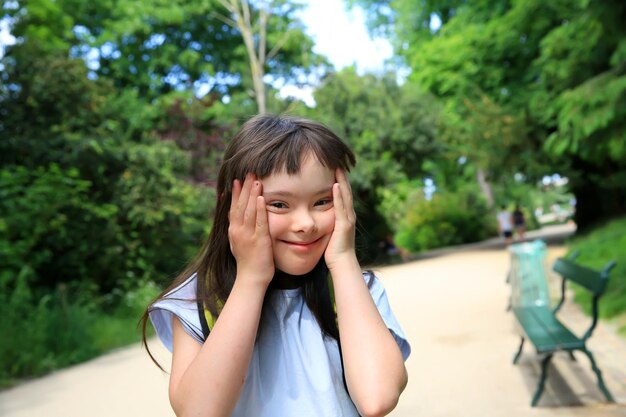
point(273, 144)
point(290, 153)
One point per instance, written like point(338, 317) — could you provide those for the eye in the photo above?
point(324, 202)
point(279, 205)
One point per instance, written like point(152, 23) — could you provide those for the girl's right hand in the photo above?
point(248, 232)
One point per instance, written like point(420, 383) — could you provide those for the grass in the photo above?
point(58, 329)
point(597, 247)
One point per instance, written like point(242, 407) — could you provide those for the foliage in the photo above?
point(396, 200)
point(597, 247)
point(529, 87)
point(47, 221)
point(156, 47)
point(61, 327)
point(447, 219)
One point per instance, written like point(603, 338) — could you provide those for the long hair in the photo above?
point(265, 144)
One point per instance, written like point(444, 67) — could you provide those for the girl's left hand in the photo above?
point(341, 244)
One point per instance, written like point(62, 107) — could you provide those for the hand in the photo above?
point(341, 244)
point(248, 232)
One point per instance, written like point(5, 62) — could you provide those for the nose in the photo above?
point(303, 221)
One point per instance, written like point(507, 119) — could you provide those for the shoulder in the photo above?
point(181, 303)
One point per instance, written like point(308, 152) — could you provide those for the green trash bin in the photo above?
point(527, 276)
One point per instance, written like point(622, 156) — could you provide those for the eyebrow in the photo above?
point(281, 193)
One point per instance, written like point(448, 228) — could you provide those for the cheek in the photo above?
point(273, 224)
point(327, 222)
point(277, 225)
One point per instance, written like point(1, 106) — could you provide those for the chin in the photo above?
point(297, 269)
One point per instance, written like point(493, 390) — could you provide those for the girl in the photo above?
point(278, 344)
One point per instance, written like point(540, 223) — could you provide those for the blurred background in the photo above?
point(114, 116)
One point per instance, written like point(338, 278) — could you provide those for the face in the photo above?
point(300, 215)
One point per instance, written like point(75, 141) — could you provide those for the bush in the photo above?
point(63, 327)
point(47, 224)
point(446, 219)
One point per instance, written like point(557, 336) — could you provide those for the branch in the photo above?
point(271, 54)
point(230, 6)
point(230, 22)
point(263, 18)
point(245, 6)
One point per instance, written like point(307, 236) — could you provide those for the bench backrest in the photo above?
point(594, 281)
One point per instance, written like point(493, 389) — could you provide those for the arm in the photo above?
point(206, 380)
point(373, 364)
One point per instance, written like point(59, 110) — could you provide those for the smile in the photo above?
point(301, 245)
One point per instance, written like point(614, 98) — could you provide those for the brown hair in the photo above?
point(264, 145)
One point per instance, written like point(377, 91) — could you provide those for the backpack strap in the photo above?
point(203, 320)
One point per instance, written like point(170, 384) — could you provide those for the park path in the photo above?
point(452, 307)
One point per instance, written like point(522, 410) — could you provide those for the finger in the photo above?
point(338, 202)
point(250, 213)
point(342, 177)
point(242, 201)
point(346, 189)
point(261, 216)
point(234, 199)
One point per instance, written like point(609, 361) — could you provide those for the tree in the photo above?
point(264, 41)
point(156, 47)
point(555, 70)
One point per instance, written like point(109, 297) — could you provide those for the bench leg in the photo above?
point(519, 352)
point(542, 381)
point(601, 385)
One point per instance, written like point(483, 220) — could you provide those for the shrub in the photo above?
point(444, 220)
point(48, 331)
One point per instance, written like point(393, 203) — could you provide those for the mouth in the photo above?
point(302, 245)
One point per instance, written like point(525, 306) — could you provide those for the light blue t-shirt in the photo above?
point(295, 370)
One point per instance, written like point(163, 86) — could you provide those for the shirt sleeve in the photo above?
point(382, 303)
point(181, 303)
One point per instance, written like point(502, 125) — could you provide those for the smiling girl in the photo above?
point(253, 327)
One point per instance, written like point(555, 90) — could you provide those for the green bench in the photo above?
point(539, 322)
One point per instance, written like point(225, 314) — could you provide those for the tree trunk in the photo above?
point(485, 187)
point(256, 53)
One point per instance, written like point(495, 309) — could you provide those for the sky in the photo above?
point(341, 36)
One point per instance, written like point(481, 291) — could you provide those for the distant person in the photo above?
point(505, 224)
point(275, 318)
point(519, 222)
